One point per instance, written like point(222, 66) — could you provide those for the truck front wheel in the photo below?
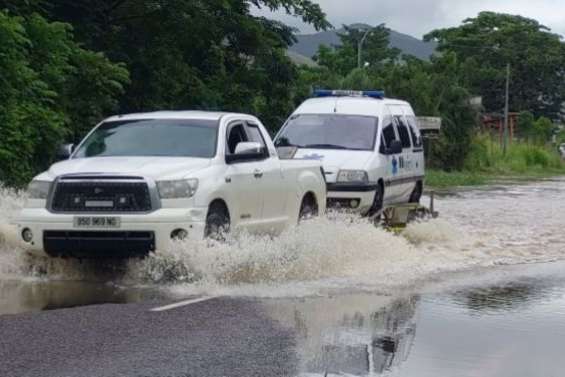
point(217, 222)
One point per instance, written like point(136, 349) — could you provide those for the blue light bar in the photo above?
point(378, 94)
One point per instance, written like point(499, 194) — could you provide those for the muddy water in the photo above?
point(477, 292)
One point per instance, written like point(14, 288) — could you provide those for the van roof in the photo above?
point(347, 105)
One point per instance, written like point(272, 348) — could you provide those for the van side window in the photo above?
point(388, 133)
point(414, 131)
point(236, 135)
point(402, 128)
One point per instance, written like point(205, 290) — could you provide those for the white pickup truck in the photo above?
point(137, 181)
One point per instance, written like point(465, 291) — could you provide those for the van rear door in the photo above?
point(405, 178)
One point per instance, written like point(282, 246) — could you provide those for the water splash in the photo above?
point(329, 253)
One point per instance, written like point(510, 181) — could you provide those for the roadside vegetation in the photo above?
point(486, 162)
point(66, 65)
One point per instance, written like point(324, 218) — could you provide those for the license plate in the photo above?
point(96, 222)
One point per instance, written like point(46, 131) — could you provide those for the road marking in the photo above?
point(182, 303)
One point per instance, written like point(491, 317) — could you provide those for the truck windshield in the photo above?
point(329, 131)
point(152, 137)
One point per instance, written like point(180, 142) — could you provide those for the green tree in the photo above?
point(525, 125)
point(543, 130)
point(487, 43)
point(343, 59)
point(436, 88)
point(195, 54)
point(46, 90)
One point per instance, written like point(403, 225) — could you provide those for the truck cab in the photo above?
point(370, 147)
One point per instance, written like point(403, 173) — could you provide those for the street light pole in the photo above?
point(360, 47)
point(505, 136)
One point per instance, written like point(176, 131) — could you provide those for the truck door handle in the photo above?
point(258, 174)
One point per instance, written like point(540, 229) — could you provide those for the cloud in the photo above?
point(417, 17)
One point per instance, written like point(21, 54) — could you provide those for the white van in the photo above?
point(370, 147)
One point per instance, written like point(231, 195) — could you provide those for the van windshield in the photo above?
point(152, 137)
point(330, 131)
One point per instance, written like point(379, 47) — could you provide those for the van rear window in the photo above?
point(329, 131)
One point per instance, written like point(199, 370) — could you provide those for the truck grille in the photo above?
point(101, 196)
point(98, 244)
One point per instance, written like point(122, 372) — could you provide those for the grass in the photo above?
point(443, 179)
point(487, 162)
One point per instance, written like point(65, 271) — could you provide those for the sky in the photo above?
point(417, 17)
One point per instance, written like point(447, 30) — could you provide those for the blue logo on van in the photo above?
point(313, 156)
point(394, 166)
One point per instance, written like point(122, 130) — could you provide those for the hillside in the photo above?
point(307, 44)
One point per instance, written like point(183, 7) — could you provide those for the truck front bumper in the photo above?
point(358, 197)
point(137, 234)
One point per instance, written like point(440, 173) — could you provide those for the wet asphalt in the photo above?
point(220, 337)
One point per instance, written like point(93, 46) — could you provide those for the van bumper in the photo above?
point(138, 234)
point(358, 197)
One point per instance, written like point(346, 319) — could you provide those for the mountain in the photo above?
point(300, 59)
point(308, 44)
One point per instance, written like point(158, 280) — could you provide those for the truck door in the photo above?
point(244, 180)
point(274, 192)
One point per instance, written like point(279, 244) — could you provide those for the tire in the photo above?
point(217, 222)
point(416, 193)
point(308, 208)
point(378, 201)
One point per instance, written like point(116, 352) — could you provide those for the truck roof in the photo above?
point(190, 114)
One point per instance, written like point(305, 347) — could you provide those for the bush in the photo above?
point(487, 156)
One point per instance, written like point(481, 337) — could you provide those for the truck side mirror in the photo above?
point(247, 151)
point(248, 147)
point(65, 151)
point(395, 147)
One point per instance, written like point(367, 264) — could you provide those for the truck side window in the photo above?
point(236, 135)
point(414, 131)
point(402, 128)
point(255, 135)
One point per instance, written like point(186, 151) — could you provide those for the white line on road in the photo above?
point(183, 303)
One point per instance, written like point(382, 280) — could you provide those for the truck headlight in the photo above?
point(352, 176)
point(181, 189)
point(38, 189)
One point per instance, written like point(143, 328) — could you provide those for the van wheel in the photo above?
point(378, 202)
point(217, 222)
point(308, 208)
point(416, 193)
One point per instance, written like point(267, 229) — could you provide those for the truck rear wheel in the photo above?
point(217, 222)
point(308, 208)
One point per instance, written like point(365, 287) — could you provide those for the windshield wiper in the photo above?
point(325, 146)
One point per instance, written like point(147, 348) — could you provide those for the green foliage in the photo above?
point(442, 179)
point(537, 131)
point(487, 156)
point(343, 59)
point(175, 54)
point(46, 91)
point(487, 43)
point(436, 89)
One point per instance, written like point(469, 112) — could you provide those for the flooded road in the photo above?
point(478, 292)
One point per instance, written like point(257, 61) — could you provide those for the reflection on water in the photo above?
point(19, 296)
point(356, 335)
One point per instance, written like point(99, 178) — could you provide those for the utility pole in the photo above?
point(360, 47)
point(505, 136)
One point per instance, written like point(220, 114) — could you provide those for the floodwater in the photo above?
point(478, 292)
